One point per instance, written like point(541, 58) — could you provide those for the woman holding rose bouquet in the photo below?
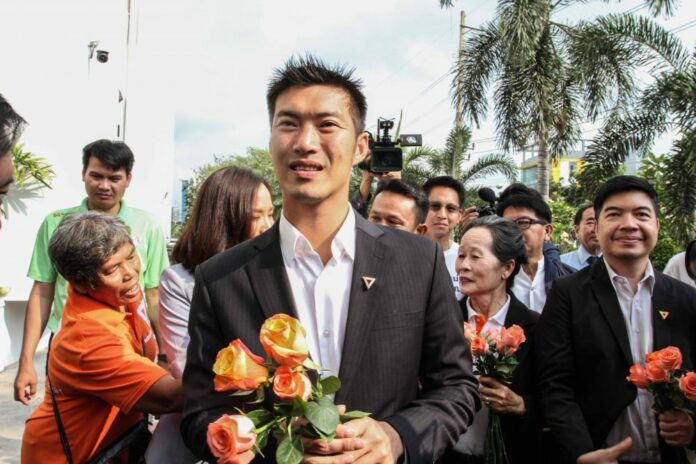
point(491, 253)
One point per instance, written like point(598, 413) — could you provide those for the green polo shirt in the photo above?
point(147, 237)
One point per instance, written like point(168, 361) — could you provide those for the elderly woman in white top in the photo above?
point(233, 205)
point(491, 253)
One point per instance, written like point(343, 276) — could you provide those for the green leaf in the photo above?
point(299, 407)
point(260, 417)
point(261, 441)
point(311, 365)
point(290, 451)
point(350, 415)
point(310, 431)
point(242, 393)
point(330, 385)
point(322, 414)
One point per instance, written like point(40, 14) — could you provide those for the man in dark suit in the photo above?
point(376, 302)
point(600, 321)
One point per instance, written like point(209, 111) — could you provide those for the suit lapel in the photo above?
point(268, 277)
point(610, 308)
point(660, 313)
point(361, 307)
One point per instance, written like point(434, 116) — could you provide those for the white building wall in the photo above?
point(69, 102)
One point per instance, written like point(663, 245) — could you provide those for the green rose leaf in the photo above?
point(330, 385)
point(322, 414)
point(260, 417)
point(290, 451)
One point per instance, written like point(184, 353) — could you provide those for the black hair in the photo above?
point(690, 257)
point(620, 184)
point(447, 182)
point(578, 215)
point(508, 243)
point(518, 195)
point(310, 70)
point(116, 155)
point(11, 126)
point(407, 190)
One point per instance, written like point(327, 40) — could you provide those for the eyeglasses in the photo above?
point(526, 223)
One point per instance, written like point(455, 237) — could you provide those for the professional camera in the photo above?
point(386, 155)
point(487, 195)
point(102, 56)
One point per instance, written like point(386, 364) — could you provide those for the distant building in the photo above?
point(561, 169)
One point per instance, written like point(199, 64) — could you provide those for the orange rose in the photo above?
point(511, 338)
point(231, 439)
point(288, 384)
point(479, 346)
point(670, 358)
point(655, 372)
point(237, 368)
point(638, 376)
point(469, 333)
point(687, 384)
point(284, 340)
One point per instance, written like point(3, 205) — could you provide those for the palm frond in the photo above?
point(641, 31)
point(490, 165)
point(567, 116)
point(680, 188)
point(522, 24)
point(662, 7)
point(475, 68)
point(446, 3)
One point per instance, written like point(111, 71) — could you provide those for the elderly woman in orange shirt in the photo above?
point(101, 377)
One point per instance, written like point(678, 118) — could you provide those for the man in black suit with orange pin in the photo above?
point(376, 302)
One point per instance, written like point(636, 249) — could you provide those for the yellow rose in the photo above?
point(237, 368)
point(284, 340)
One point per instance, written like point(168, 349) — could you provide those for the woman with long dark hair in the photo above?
point(233, 205)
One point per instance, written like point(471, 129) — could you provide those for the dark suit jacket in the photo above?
point(406, 328)
point(521, 433)
point(583, 354)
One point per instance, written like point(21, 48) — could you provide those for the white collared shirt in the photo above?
point(473, 440)
point(451, 255)
point(637, 420)
point(321, 292)
point(531, 292)
point(577, 259)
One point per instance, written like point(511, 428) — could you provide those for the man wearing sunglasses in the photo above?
point(527, 208)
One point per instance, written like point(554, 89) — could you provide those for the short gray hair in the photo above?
point(83, 242)
point(508, 243)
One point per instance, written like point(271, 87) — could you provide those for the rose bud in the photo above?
point(284, 339)
point(237, 368)
point(670, 358)
point(687, 384)
point(288, 385)
point(231, 439)
point(638, 376)
point(656, 373)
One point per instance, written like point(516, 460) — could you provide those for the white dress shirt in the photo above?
point(450, 260)
point(531, 292)
point(321, 292)
point(577, 259)
point(637, 420)
point(472, 441)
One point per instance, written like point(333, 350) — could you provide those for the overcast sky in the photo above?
point(403, 50)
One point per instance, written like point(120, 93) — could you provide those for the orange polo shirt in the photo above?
point(99, 372)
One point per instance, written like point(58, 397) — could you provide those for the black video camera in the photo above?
point(487, 195)
point(386, 156)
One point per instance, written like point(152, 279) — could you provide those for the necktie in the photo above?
point(591, 260)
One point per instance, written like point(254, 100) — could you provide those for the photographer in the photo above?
point(361, 199)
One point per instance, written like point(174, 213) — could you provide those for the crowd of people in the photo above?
point(382, 289)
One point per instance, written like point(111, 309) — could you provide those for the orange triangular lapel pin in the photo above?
point(664, 314)
point(368, 281)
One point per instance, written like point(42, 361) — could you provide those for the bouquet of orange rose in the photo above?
point(303, 408)
point(494, 356)
point(665, 379)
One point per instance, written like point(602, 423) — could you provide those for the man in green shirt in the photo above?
point(106, 173)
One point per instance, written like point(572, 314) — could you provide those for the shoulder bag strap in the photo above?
point(56, 413)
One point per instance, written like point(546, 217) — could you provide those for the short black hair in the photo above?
point(518, 195)
point(620, 184)
point(116, 155)
point(581, 211)
point(11, 126)
point(690, 257)
point(407, 190)
point(310, 70)
point(447, 182)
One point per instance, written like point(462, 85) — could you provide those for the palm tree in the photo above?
point(669, 103)
point(549, 76)
point(423, 163)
